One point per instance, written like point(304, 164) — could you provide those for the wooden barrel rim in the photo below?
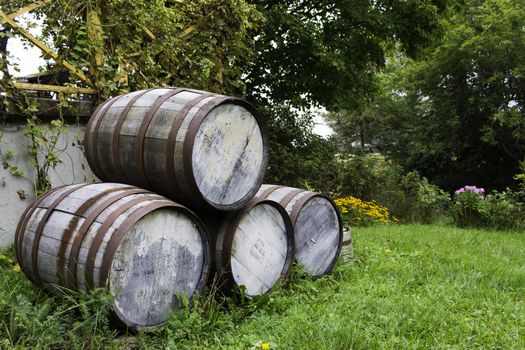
point(70, 230)
point(230, 233)
point(82, 231)
point(94, 157)
point(126, 225)
point(40, 227)
point(101, 233)
point(189, 143)
point(141, 135)
point(131, 220)
point(116, 133)
point(172, 138)
point(295, 214)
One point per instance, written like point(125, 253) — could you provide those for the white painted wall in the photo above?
point(73, 169)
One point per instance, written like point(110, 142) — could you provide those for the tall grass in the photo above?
point(401, 287)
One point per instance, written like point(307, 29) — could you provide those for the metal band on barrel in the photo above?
point(21, 227)
point(70, 278)
point(116, 134)
point(94, 162)
point(101, 232)
point(121, 232)
point(141, 135)
point(40, 228)
point(172, 140)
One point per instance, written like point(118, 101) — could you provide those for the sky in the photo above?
point(27, 56)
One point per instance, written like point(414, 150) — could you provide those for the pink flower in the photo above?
point(473, 189)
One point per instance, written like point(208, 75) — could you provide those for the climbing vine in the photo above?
point(117, 46)
point(138, 44)
point(43, 149)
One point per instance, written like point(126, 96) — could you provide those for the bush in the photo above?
point(498, 210)
point(410, 197)
point(371, 177)
point(468, 207)
point(356, 212)
point(298, 157)
point(422, 201)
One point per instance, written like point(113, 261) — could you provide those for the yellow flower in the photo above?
point(265, 346)
point(360, 210)
point(16, 268)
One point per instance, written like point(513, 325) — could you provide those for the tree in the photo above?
point(327, 52)
point(457, 115)
point(298, 157)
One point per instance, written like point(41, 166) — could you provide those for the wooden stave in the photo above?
point(222, 230)
point(133, 217)
point(295, 210)
point(180, 183)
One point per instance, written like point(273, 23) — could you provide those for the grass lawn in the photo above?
point(401, 287)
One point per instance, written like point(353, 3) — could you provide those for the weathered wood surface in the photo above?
point(202, 149)
point(318, 229)
point(146, 249)
point(253, 247)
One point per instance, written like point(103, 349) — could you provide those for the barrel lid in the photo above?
point(258, 247)
point(226, 153)
point(153, 269)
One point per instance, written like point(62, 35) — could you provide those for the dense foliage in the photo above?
point(298, 157)
point(457, 114)
point(327, 52)
point(126, 45)
point(496, 210)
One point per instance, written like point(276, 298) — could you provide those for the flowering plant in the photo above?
point(357, 212)
point(473, 189)
point(497, 210)
point(467, 210)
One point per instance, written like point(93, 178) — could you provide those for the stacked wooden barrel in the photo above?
point(201, 149)
point(206, 151)
point(144, 248)
point(318, 228)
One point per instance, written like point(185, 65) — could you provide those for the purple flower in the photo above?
point(461, 190)
point(480, 191)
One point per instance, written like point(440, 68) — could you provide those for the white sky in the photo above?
point(28, 59)
point(321, 128)
point(26, 55)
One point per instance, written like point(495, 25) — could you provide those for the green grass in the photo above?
point(401, 287)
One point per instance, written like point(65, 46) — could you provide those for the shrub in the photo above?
point(498, 210)
point(356, 212)
point(468, 207)
point(501, 211)
point(409, 197)
point(422, 201)
point(298, 157)
point(371, 177)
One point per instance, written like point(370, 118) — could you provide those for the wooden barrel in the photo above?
point(253, 246)
point(145, 249)
point(318, 228)
point(198, 148)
